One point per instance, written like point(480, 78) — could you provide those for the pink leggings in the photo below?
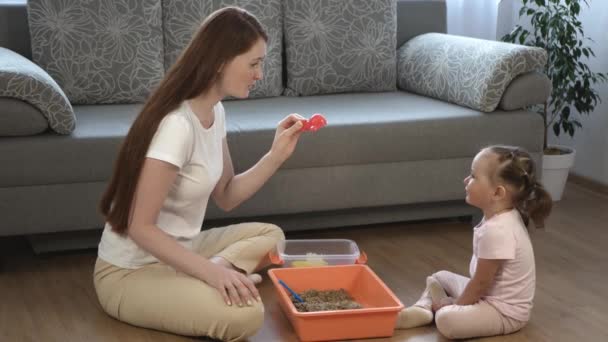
point(466, 321)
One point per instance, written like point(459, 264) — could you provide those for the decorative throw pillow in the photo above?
point(335, 46)
point(102, 51)
point(182, 18)
point(467, 71)
point(23, 80)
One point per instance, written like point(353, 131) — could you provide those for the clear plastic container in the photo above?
point(317, 252)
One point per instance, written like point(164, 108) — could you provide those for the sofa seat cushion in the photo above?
point(87, 155)
point(363, 128)
point(375, 128)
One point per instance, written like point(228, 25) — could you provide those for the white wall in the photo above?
point(485, 19)
point(508, 14)
point(472, 18)
point(591, 141)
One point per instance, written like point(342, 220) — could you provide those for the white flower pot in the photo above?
point(555, 171)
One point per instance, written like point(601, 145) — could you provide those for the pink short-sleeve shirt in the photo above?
point(504, 236)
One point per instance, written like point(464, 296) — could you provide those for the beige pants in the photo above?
point(158, 297)
point(466, 321)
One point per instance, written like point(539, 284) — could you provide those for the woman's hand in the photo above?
point(235, 287)
point(443, 302)
point(286, 137)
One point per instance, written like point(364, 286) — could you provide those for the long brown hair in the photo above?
point(516, 167)
point(225, 34)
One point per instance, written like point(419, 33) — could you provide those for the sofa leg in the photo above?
point(64, 241)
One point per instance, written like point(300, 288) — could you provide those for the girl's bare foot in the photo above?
point(435, 290)
point(414, 316)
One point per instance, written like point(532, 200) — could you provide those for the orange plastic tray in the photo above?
point(377, 318)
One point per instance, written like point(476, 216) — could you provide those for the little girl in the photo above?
point(497, 299)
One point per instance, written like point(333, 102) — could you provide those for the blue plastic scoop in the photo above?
point(293, 293)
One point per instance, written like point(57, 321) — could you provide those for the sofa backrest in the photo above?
point(408, 19)
point(14, 31)
point(414, 17)
point(181, 19)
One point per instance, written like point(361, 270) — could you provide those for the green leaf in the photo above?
point(556, 129)
point(565, 125)
point(522, 38)
point(566, 112)
point(555, 27)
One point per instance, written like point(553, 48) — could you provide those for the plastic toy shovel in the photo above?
point(293, 293)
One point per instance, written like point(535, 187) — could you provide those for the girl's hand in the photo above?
point(286, 137)
point(235, 287)
point(443, 302)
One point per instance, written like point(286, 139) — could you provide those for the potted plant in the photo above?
point(556, 28)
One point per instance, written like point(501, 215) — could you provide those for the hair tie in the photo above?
point(535, 186)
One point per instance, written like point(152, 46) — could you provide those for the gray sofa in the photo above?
point(397, 146)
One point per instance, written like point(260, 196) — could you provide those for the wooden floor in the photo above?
point(51, 297)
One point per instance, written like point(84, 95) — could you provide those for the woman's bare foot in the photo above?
point(218, 260)
point(254, 277)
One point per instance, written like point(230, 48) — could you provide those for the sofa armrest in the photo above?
point(21, 79)
point(466, 71)
point(526, 90)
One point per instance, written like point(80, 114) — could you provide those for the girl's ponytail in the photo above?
point(516, 167)
point(537, 206)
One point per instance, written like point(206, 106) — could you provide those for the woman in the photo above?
point(155, 267)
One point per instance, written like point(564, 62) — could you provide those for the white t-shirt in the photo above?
point(505, 236)
point(182, 141)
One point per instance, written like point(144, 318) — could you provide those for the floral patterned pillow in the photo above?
point(23, 80)
point(102, 51)
point(181, 19)
point(467, 71)
point(335, 46)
